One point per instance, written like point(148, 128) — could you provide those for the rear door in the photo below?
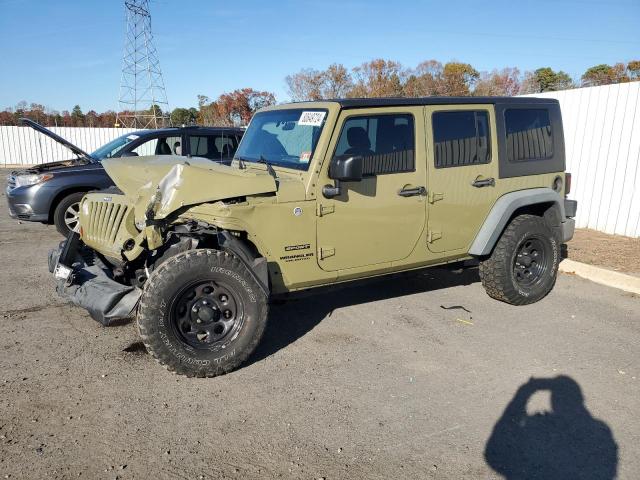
point(463, 171)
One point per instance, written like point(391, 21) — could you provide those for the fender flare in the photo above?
point(502, 211)
point(257, 266)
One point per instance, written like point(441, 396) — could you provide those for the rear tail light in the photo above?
point(567, 183)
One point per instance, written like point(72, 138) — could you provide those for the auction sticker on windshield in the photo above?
point(313, 119)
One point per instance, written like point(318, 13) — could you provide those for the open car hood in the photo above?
point(45, 131)
point(165, 183)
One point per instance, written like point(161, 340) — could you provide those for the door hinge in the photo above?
point(326, 252)
point(432, 236)
point(322, 210)
point(434, 196)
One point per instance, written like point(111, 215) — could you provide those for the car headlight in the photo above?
point(32, 179)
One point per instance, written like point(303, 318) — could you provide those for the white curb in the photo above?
point(602, 276)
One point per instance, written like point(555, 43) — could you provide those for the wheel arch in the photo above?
point(543, 202)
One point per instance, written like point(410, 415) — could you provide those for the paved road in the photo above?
point(373, 381)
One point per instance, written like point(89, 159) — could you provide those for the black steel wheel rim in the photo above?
point(207, 315)
point(531, 262)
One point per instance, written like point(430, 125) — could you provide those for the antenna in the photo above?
point(143, 99)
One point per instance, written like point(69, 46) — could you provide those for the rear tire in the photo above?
point(65, 215)
point(523, 266)
point(202, 313)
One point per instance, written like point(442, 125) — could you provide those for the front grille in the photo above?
point(103, 221)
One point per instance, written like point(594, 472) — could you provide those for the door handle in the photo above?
point(412, 191)
point(485, 182)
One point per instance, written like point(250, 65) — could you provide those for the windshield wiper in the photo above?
point(241, 161)
point(270, 169)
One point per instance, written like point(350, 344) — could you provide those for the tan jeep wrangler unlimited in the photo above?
point(320, 193)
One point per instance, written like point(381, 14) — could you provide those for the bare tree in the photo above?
point(310, 84)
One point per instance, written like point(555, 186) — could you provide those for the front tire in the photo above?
point(523, 266)
point(202, 313)
point(65, 215)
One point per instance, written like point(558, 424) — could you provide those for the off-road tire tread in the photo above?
point(495, 270)
point(166, 273)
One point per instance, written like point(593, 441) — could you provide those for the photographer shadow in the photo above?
point(292, 319)
point(565, 443)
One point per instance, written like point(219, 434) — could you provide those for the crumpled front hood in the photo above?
point(165, 183)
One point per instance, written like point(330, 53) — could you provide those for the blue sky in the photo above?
point(64, 52)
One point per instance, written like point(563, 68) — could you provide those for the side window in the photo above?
point(529, 135)
point(461, 138)
point(226, 145)
point(201, 146)
point(160, 146)
point(385, 141)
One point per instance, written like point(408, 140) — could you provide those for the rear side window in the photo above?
point(226, 145)
point(201, 147)
point(160, 146)
point(214, 147)
point(385, 141)
point(529, 135)
point(461, 138)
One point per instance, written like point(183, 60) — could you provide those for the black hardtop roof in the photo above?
point(400, 101)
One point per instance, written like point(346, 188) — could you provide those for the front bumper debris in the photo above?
point(90, 284)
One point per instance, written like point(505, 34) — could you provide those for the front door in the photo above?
point(380, 219)
point(463, 171)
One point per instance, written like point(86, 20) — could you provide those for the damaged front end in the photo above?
point(84, 279)
point(126, 232)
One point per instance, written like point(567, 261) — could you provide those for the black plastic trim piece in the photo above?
point(570, 207)
point(69, 249)
point(257, 266)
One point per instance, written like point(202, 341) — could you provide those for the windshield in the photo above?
point(283, 137)
point(108, 150)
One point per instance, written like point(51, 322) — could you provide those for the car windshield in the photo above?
point(285, 138)
point(108, 150)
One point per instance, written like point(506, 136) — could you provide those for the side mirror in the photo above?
point(129, 154)
point(346, 168)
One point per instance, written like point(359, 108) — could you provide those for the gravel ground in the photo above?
point(614, 252)
point(372, 381)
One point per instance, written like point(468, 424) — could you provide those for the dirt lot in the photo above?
point(614, 252)
point(373, 381)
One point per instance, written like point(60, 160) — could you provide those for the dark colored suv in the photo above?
point(51, 192)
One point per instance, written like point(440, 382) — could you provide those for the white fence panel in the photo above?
point(25, 146)
point(602, 139)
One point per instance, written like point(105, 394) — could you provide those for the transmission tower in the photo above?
point(143, 99)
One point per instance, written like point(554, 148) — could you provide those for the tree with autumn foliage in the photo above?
point(546, 80)
point(378, 78)
point(498, 82)
point(233, 108)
